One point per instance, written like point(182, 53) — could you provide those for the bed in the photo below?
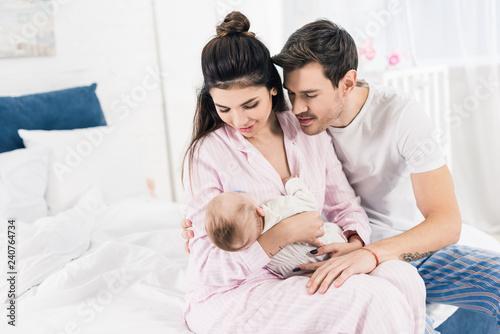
point(96, 252)
point(115, 268)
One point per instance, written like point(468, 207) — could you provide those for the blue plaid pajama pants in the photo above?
point(462, 276)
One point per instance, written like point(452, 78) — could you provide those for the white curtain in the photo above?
point(464, 35)
point(475, 110)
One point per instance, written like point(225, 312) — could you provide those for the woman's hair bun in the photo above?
point(234, 23)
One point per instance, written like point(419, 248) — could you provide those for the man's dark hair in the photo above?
point(324, 42)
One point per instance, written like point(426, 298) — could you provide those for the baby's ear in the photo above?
point(261, 212)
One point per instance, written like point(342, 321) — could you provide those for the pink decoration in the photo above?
point(394, 59)
point(366, 49)
point(369, 54)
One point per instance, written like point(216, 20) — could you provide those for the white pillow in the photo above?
point(104, 155)
point(23, 181)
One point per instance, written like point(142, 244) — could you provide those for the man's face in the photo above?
point(315, 102)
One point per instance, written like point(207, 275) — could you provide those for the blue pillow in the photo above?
point(67, 109)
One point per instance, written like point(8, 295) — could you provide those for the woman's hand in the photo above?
point(341, 248)
point(304, 227)
point(338, 269)
point(187, 234)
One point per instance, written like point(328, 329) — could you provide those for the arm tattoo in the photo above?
point(278, 251)
point(408, 257)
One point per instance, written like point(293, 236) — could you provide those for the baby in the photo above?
point(234, 222)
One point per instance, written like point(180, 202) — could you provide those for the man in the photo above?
point(393, 162)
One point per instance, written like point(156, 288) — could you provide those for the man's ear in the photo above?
point(349, 81)
point(261, 212)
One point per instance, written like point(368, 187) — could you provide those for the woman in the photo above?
point(243, 140)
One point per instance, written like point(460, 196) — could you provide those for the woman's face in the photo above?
point(245, 109)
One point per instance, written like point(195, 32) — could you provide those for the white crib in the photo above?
point(430, 86)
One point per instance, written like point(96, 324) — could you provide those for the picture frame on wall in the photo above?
point(26, 28)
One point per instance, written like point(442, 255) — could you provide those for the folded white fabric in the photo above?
point(50, 243)
point(23, 181)
point(105, 155)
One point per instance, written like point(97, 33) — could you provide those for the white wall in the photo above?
point(112, 43)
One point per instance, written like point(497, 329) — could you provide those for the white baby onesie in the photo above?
point(298, 199)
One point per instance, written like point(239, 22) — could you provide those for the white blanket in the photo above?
point(104, 269)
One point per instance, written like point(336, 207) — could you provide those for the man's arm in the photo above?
point(435, 196)
point(436, 200)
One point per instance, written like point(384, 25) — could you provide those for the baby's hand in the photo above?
point(285, 180)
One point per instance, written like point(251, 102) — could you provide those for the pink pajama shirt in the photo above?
point(235, 293)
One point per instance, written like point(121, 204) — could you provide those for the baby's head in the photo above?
point(233, 221)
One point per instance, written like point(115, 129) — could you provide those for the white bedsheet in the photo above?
point(129, 280)
point(113, 269)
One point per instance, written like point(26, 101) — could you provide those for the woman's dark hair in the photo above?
point(234, 58)
point(324, 42)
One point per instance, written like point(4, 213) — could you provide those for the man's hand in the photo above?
point(338, 269)
point(187, 234)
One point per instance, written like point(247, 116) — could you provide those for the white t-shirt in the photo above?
point(390, 138)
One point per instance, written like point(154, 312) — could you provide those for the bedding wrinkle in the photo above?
point(131, 278)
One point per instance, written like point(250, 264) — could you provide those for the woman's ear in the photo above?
point(261, 212)
point(274, 91)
